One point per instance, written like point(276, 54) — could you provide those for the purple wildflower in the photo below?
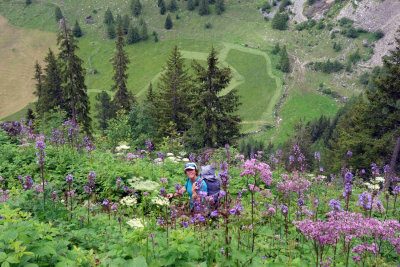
point(69, 178)
point(348, 177)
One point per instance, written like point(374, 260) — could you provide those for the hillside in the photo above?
point(242, 36)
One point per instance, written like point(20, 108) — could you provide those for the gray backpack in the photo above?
point(212, 181)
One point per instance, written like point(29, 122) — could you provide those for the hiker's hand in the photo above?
point(194, 187)
point(170, 195)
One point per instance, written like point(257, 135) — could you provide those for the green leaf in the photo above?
point(12, 234)
point(3, 256)
point(12, 259)
point(140, 261)
point(5, 264)
point(31, 265)
point(203, 264)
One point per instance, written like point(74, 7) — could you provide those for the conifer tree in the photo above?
point(30, 116)
point(105, 110)
point(108, 17)
point(136, 7)
point(111, 31)
point(204, 9)
point(279, 21)
point(77, 30)
point(28, 2)
point(39, 88)
point(172, 6)
point(196, 2)
point(143, 32)
point(159, 3)
point(172, 98)
point(122, 98)
point(168, 22)
point(125, 23)
point(215, 114)
point(190, 5)
point(211, 1)
point(58, 14)
point(150, 94)
point(52, 96)
point(133, 35)
point(284, 61)
point(163, 9)
point(219, 7)
point(73, 77)
point(118, 20)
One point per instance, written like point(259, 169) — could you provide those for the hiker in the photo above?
point(191, 187)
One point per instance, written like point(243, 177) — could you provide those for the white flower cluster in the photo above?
point(122, 146)
point(128, 201)
point(171, 157)
point(139, 183)
point(136, 223)
point(160, 201)
point(374, 185)
point(380, 179)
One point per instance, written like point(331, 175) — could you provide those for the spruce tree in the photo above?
point(279, 21)
point(196, 2)
point(111, 31)
point(190, 5)
point(105, 110)
point(58, 14)
point(159, 3)
point(284, 61)
point(133, 35)
point(215, 114)
point(39, 88)
point(150, 94)
point(125, 23)
point(118, 20)
point(136, 8)
point(204, 9)
point(122, 98)
point(30, 116)
point(28, 2)
point(168, 22)
point(172, 6)
point(143, 32)
point(219, 7)
point(108, 17)
point(172, 98)
point(163, 9)
point(74, 89)
point(52, 84)
point(77, 30)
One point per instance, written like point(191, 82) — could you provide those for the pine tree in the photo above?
point(52, 96)
point(216, 114)
point(133, 35)
point(163, 9)
point(125, 24)
point(190, 5)
point(172, 6)
point(155, 36)
point(196, 2)
point(28, 2)
point(279, 21)
point(77, 30)
point(58, 14)
point(211, 1)
point(172, 98)
point(39, 88)
point(204, 9)
point(219, 7)
point(118, 20)
point(108, 17)
point(136, 8)
point(74, 89)
point(284, 61)
point(111, 31)
point(150, 94)
point(143, 32)
point(30, 116)
point(122, 98)
point(168, 22)
point(159, 3)
point(105, 110)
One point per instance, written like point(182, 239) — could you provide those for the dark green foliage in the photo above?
point(104, 110)
point(337, 46)
point(136, 7)
point(190, 5)
point(30, 115)
point(284, 62)
point(379, 34)
point(276, 49)
point(150, 94)
point(327, 66)
point(111, 31)
point(28, 2)
point(38, 87)
point(208, 25)
point(133, 35)
point(52, 93)
point(143, 32)
point(216, 115)
point(172, 99)
point(196, 2)
point(219, 7)
point(279, 21)
point(74, 89)
point(266, 6)
point(118, 20)
point(320, 25)
point(122, 98)
point(172, 6)
point(125, 23)
point(58, 14)
point(345, 22)
point(283, 5)
point(76, 31)
point(168, 22)
point(211, 1)
point(204, 9)
point(350, 32)
point(354, 57)
point(249, 146)
point(310, 2)
point(159, 2)
point(108, 17)
point(163, 8)
point(155, 36)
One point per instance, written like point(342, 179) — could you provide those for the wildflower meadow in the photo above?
point(67, 200)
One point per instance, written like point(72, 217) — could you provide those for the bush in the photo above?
point(279, 22)
point(337, 46)
point(327, 66)
point(379, 34)
point(266, 6)
point(345, 22)
point(208, 25)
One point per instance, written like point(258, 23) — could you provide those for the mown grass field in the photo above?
point(244, 41)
